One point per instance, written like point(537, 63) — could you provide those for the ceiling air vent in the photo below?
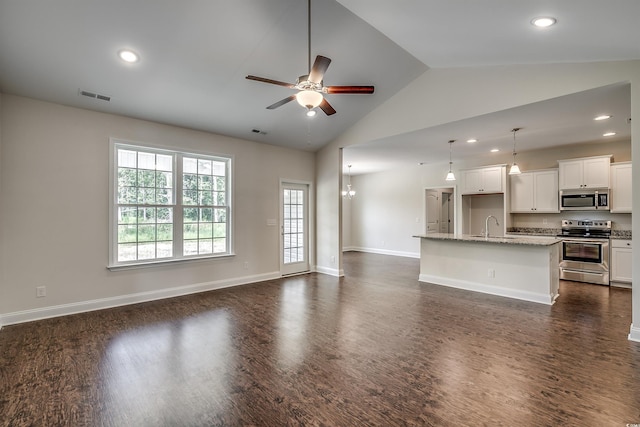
point(94, 95)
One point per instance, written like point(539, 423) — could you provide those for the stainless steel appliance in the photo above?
point(584, 200)
point(585, 251)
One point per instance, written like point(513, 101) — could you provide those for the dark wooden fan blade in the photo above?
point(319, 68)
point(281, 102)
point(326, 107)
point(349, 89)
point(273, 82)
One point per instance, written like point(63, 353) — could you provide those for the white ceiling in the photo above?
point(195, 55)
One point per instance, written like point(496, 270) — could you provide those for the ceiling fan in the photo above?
point(311, 86)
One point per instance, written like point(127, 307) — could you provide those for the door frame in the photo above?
point(449, 189)
point(311, 238)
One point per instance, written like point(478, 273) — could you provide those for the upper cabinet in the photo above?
point(621, 187)
point(535, 192)
point(483, 180)
point(588, 172)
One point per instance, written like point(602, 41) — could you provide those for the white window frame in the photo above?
point(177, 205)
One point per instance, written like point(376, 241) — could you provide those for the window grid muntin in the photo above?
point(205, 205)
point(170, 169)
point(293, 231)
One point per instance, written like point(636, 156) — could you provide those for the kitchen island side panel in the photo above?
point(526, 272)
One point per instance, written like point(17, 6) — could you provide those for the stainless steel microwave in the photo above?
point(584, 200)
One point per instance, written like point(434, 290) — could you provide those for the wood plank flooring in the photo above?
point(375, 348)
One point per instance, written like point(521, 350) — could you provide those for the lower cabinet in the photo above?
point(621, 262)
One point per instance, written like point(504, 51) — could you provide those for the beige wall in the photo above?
point(55, 201)
point(441, 96)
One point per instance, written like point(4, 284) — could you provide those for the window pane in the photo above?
point(204, 167)
point(146, 250)
point(127, 158)
point(189, 165)
point(146, 233)
point(164, 179)
point(219, 246)
point(219, 230)
point(190, 231)
point(146, 215)
point(205, 231)
point(190, 197)
point(164, 162)
point(219, 168)
point(165, 232)
point(220, 183)
point(127, 233)
point(127, 195)
point(127, 177)
point(190, 214)
point(190, 247)
point(127, 252)
point(146, 160)
point(190, 181)
point(205, 182)
point(205, 246)
point(164, 249)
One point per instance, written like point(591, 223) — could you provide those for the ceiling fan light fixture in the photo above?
point(311, 113)
point(309, 98)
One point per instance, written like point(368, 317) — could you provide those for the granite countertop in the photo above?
point(510, 240)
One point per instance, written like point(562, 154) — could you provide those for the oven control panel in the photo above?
point(585, 224)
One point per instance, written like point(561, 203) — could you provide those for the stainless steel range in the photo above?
point(585, 251)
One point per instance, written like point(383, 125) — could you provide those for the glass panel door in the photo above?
point(294, 229)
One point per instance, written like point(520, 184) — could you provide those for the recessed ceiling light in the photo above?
point(543, 21)
point(608, 134)
point(494, 150)
point(472, 140)
point(128, 56)
point(602, 117)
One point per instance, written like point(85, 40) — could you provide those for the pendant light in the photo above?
point(349, 192)
point(450, 175)
point(515, 170)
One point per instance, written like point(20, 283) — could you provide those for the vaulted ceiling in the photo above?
point(194, 55)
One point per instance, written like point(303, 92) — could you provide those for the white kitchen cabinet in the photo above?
point(588, 172)
point(534, 192)
point(483, 180)
point(621, 261)
point(620, 188)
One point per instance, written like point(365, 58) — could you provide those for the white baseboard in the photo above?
point(383, 252)
point(488, 289)
point(330, 271)
point(102, 303)
point(634, 334)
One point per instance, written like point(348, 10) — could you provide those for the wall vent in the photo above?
point(94, 95)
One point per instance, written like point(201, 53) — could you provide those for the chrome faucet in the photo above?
point(486, 225)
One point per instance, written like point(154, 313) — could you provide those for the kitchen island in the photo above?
point(519, 267)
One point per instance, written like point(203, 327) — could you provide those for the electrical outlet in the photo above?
point(245, 265)
point(491, 273)
point(333, 260)
point(41, 291)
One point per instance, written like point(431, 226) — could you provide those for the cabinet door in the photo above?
point(621, 263)
point(471, 181)
point(621, 188)
point(546, 191)
point(596, 173)
point(571, 174)
point(521, 192)
point(492, 180)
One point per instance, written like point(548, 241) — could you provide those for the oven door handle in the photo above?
point(600, 241)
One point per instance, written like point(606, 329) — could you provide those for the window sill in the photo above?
point(156, 263)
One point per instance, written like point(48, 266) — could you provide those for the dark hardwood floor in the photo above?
point(375, 348)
